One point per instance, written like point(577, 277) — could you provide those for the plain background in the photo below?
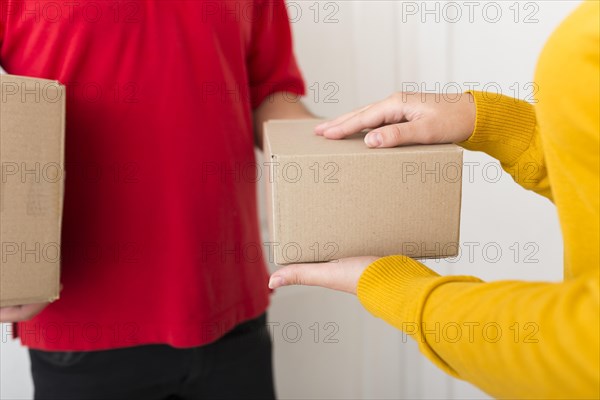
point(356, 52)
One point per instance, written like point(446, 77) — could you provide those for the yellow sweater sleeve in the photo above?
point(512, 339)
point(507, 129)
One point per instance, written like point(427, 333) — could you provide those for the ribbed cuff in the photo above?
point(396, 289)
point(390, 288)
point(504, 126)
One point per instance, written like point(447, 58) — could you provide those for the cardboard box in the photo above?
point(32, 118)
point(329, 199)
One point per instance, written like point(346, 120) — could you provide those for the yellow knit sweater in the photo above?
point(516, 339)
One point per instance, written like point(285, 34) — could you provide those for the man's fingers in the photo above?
point(20, 313)
point(9, 314)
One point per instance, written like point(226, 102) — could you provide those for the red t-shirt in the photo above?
point(161, 240)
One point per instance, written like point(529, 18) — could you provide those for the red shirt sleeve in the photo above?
point(1, 24)
point(271, 62)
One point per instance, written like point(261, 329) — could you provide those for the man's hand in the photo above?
point(279, 105)
point(21, 313)
point(408, 118)
point(342, 275)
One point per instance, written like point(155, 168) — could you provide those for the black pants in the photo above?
point(237, 366)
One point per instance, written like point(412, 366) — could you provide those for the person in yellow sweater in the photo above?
point(551, 148)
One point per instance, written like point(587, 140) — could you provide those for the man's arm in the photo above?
point(280, 105)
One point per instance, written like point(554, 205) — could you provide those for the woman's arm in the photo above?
point(512, 339)
point(507, 129)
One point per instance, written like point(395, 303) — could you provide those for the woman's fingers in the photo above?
point(388, 111)
point(340, 275)
point(317, 274)
point(408, 118)
point(402, 134)
point(319, 129)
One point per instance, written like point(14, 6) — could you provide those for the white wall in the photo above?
point(355, 52)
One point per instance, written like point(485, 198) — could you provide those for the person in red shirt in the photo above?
point(164, 283)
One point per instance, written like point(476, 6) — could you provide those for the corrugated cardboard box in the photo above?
point(32, 115)
point(329, 199)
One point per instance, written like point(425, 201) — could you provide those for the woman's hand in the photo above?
point(340, 275)
point(21, 313)
point(408, 118)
